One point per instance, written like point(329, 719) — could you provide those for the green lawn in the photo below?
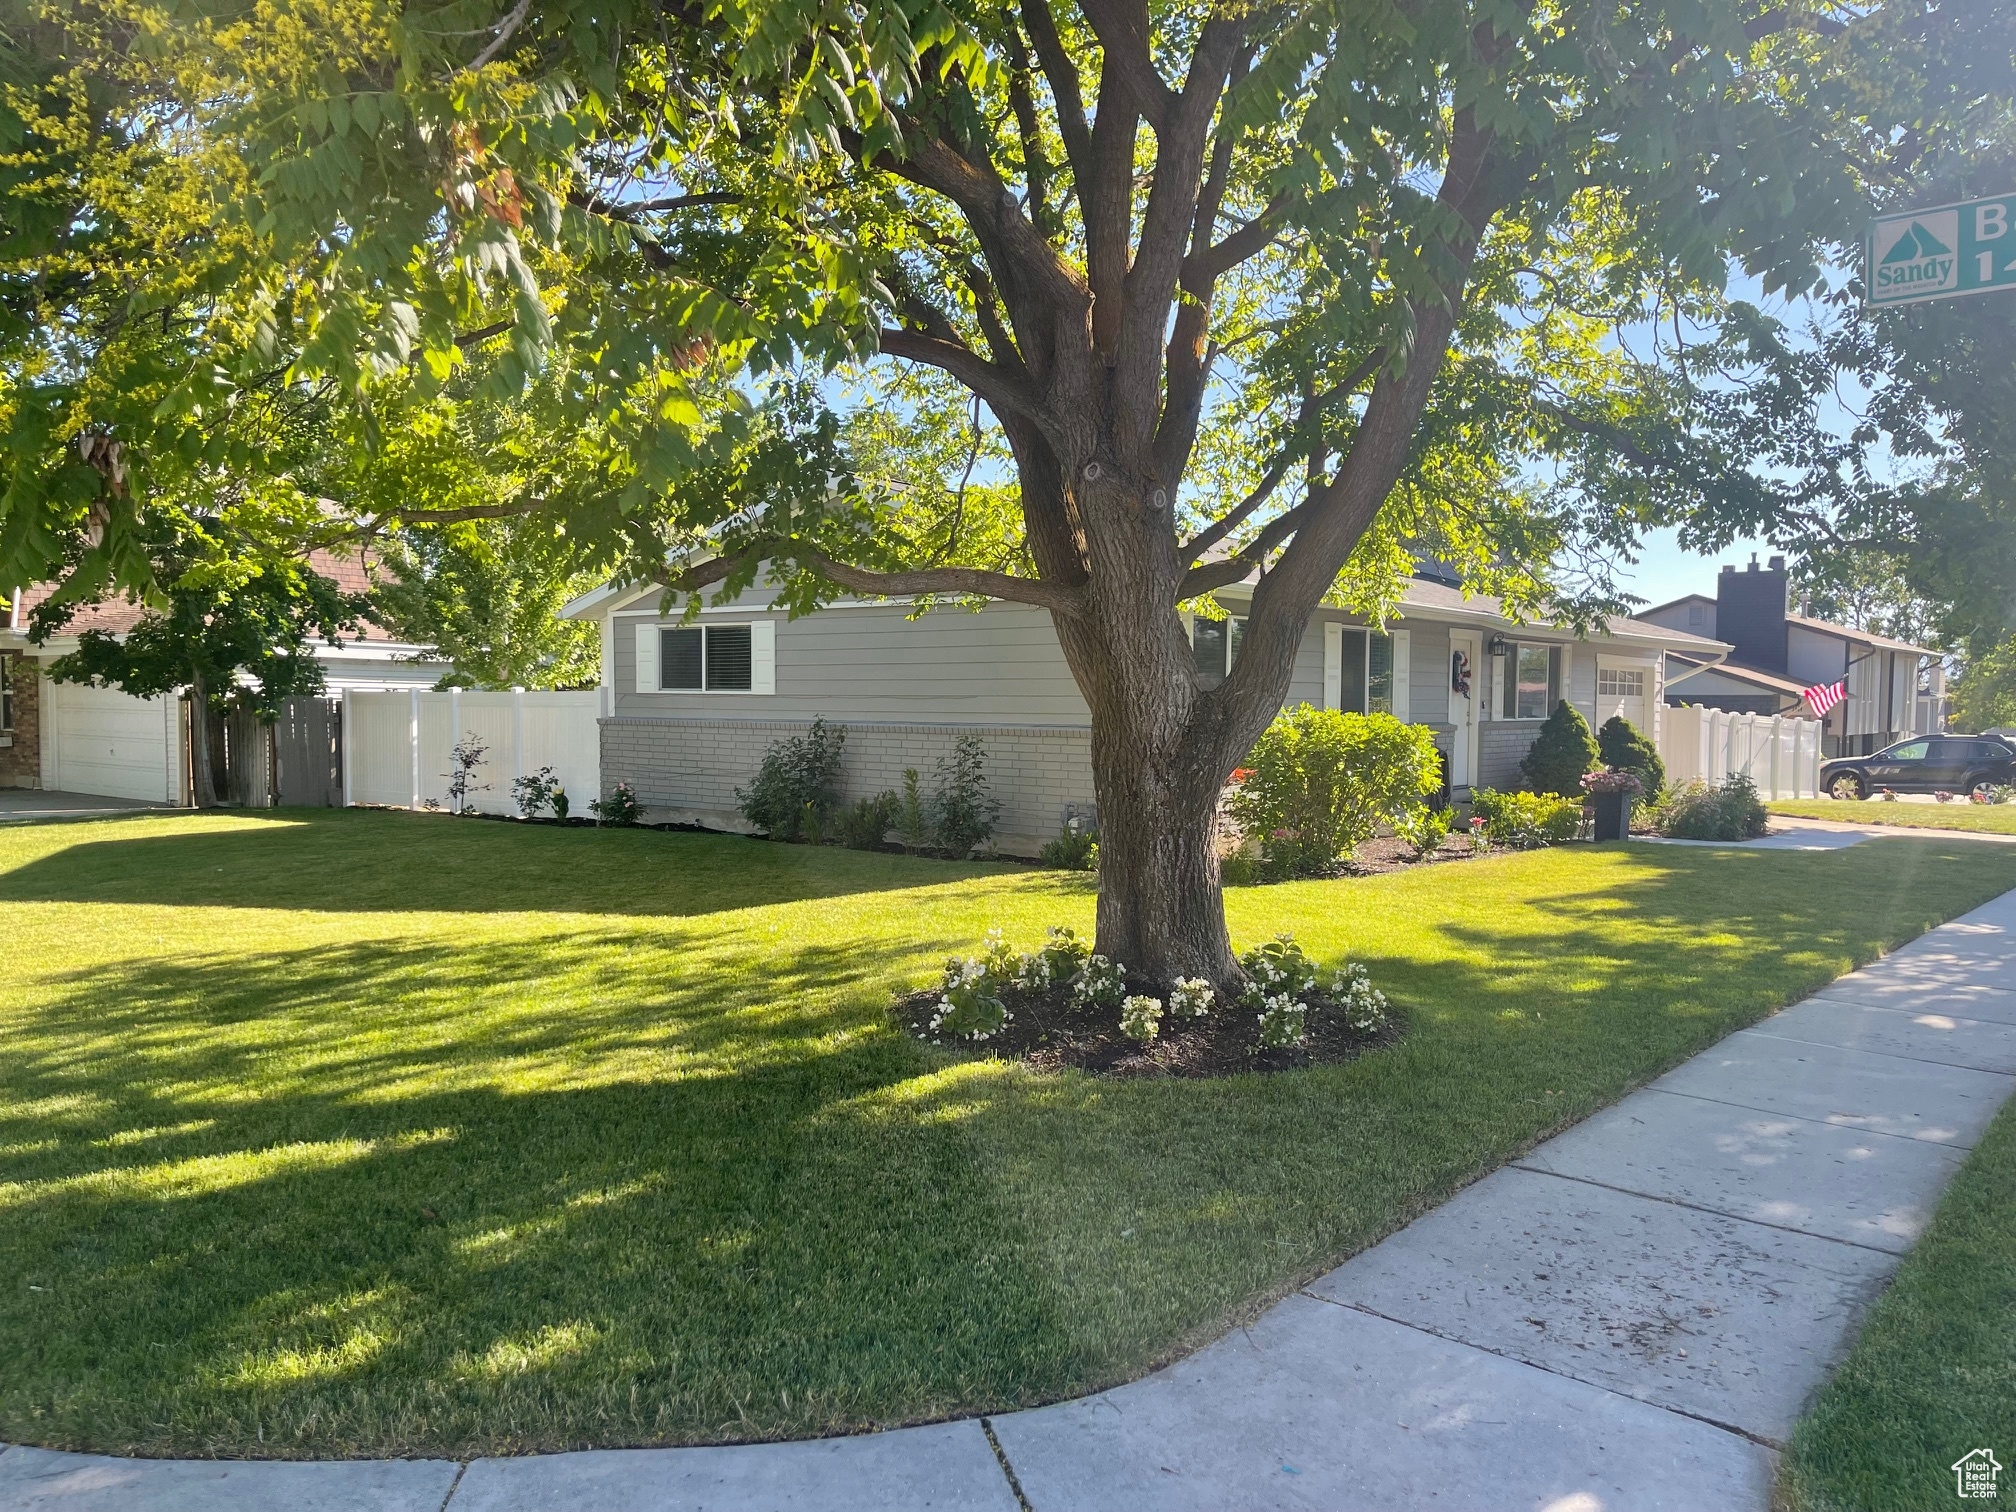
point(1934, 1373)
point(355, 1132)
point(1983, 818)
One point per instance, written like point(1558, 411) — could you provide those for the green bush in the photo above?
point(1072, 850)
point(797, 788)
point(1526, 821)
point(963, 811)
point(1562, 752)
point(1322, 781)
point(863, 824)
point(1626, 748)
point(1697, 811)
point(1426, 831)
point(619, 808)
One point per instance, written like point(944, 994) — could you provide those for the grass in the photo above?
point(366, 1133)
point(1933, 1375)
point(1981, 818)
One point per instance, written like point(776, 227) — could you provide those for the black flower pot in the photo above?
point(1613, 815)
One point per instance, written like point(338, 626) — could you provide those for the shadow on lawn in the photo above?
point(522, 1226)
point(351, 860)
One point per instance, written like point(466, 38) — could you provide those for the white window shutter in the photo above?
point(1333, 665)
point(647, 657)
point(1568, 678)
point(763, 656)
point(1403, 675)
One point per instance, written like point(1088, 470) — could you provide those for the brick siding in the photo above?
point(21, 762)
point(687, 770)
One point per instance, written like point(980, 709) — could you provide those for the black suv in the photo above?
point(1925, 764)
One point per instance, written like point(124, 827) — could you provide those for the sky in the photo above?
point(1664, 571)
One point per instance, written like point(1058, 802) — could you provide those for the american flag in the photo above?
point(1825, 696)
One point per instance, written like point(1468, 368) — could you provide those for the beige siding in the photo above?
point(1001, 665)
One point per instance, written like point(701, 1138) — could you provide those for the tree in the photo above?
point(235, 633)
point(1562, 751)
point(487, 595)
point(1623, 747)
point(1984, 695)
point(1384, 248)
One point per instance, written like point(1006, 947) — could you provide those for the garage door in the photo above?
point(1624, 688)
point(108, 743)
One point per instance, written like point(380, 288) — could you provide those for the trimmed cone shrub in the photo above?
point(1626, 748)
point(1562, 752)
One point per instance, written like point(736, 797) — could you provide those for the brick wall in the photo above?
point(1501, 746)
point(687, 770)
point(21, 762)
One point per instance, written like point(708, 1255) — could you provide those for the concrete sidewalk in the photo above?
point(1629, 1317)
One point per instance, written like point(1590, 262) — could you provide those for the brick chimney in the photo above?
point(1750, 614)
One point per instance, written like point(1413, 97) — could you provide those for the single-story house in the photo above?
point(1894, 689)
point(690, 709)
point(79, 738)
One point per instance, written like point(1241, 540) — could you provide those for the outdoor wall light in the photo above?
point(1497, 646)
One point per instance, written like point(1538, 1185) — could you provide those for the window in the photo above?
point(1378, 674)
point(709, 658)
point(1697, 616)
point(1215, 645)
point(1531, 675)
point(7, 665)
point(1911, 750)
point(1618, 682)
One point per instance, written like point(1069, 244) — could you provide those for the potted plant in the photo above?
point(1612, 793)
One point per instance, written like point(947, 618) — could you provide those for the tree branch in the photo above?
point(1001, 387)
point(975, 580)
point(506, 29)
point(625, 210)
point(1065, 91)
point(1122, 29)
point(1237, 515)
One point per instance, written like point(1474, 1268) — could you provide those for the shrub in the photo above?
point(1364, 1005)
point(913, 818)
point(1101, 983)
point(1426, 830)
point(1064, 952)
point(1561, 753)
point(1141, 1018)
point(1191, 998)
point(865, 823)
point(963, 811)
point(463, 758)
point(1625, 748)
point(798, 782)
point(620, 807)
point(1525, 821)
point(969, 1007)
point(1238, 870)
point(534, 792)
point(1321, 781)
point(1284, 1023)
point(1072, 850)
point(1613, 780)
point(1697, 811)
point(1279, 966)
point(560, 801)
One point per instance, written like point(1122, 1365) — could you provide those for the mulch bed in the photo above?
point(1048, 1032)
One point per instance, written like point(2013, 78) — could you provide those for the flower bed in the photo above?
point(1060, 1007)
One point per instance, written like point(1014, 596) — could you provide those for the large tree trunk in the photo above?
point(1160, 909)
point(203, 784)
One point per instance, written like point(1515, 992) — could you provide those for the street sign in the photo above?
point(1941, 253)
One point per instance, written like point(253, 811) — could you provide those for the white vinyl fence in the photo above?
point(396, 745)
point(1782, 756)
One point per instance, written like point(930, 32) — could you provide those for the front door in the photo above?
point(1466, 700)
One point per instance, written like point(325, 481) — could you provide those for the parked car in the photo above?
point(1926, 764)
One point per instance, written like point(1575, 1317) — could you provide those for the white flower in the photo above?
point(1191, 997)
point(1141, 1017)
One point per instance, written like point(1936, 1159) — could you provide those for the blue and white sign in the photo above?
point(1943, 252)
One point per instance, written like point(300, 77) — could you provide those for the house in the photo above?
point(77, 738)
point(688, 710)
point(1894, 689)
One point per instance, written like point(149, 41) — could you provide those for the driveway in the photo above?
point(20, 805)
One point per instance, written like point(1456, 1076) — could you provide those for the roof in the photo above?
point(1453, 603)
point(1743, 674)
point(1860, 637)
point(1685, 598)
point(350, 571)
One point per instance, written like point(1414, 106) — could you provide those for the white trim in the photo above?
point(1403, 674)
point(1333, 663)
point(647, 677)
point(763, 657)
point(413, 736)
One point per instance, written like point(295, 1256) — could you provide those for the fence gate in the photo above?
point(308, 752)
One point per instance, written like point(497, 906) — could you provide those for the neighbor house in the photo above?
point(690, 709)
point(78, 738)
point(1893, 689)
